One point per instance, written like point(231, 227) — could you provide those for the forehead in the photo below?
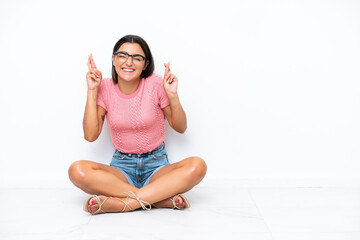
point(131, 48)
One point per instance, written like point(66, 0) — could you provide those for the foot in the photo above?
point(108, 205)
point(167, 203)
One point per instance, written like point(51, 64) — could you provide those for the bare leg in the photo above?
point(194, 164)
point(176, 178)
point(100, 179)
point(170, 180)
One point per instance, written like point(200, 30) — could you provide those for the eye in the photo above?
point(122, 56)
point(138, 58)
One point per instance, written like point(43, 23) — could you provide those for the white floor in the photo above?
point(234, 212)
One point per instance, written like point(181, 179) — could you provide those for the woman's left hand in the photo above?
point(170, 82)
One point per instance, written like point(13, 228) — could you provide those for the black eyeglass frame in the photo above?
point(129, 55)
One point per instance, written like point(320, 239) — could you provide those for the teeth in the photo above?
point(128, 70)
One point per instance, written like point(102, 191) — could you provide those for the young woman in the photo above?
point(135, 102)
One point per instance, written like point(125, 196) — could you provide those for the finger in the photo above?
point(167, 68)
point(88, 76)
point(94, 72)
point(171, 80)
point(167, 77)
point(166, 71)
point(166, 65)
point(94, 77)
point(173, 76)
point(88, 63)
point(98, 73)
point(92, 62)
point(91, 76)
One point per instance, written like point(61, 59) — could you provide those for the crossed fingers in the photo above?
point(93, 71)
point(91, 63)
point(168, 76)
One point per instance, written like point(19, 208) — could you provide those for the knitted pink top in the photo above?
point(136, 121)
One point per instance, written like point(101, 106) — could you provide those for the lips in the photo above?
point(128, 69)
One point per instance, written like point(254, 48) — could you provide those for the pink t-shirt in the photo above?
point(136, 121)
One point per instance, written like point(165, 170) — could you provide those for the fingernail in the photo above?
point(91, 203)
point(89, 208)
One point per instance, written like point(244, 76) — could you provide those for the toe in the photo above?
point(180, 202)
point(94, 207)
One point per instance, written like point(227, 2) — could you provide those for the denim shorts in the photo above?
point(139, 168)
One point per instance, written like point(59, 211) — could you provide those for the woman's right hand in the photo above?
point(93, 76)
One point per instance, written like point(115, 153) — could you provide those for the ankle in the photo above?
point(135, 202)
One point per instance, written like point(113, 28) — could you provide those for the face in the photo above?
point(129, 68)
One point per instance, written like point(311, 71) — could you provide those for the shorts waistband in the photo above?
point(156, 150)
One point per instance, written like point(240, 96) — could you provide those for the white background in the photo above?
point(271, 88)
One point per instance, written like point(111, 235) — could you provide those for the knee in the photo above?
point(77, 172)
point(197, 167)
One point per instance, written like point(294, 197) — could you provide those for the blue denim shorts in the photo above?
point(139, 168)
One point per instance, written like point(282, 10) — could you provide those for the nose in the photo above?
point(129, 61)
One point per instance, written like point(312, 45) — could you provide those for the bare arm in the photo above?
point(174, 112)
point(176, 116)
point(94, 115)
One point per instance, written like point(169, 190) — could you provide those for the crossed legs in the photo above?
point(99, 179)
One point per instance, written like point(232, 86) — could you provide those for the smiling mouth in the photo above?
point(128, 70)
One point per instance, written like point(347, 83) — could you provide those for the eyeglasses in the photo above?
point(123, 57)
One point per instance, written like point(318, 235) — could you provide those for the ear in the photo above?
point(113, 60)
point(146, 64)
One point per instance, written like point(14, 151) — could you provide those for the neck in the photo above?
point(128, 87)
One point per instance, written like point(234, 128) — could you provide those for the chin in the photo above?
point(129, 78)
